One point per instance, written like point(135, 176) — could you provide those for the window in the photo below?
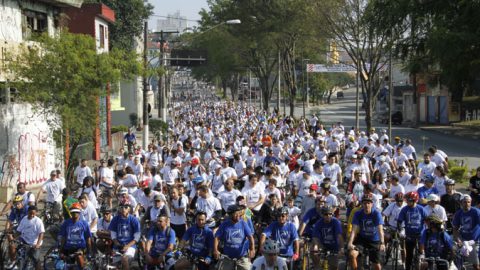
point(102, 36)
point(33, 22)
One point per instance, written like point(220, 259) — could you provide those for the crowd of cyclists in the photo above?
point(237, 188)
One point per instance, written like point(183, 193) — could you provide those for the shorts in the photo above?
point(130, 253)
point(33, 254)
point(473, 256)
point(68, 252)
point(373, 247)
point(179, 229)
point(107, 191)
point(169, 259)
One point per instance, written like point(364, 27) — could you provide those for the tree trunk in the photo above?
point(224, 87)
point(292, 106)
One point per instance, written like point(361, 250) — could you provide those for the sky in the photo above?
point(187, 8)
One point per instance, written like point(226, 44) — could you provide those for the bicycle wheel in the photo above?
point(51, 258)
point(3, 252)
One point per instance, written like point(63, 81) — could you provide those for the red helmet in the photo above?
point(412, 196)
point(399, 196)
point(195, 161)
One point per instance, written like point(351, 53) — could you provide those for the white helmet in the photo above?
point(271, 247)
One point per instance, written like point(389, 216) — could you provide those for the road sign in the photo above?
point(315, 68)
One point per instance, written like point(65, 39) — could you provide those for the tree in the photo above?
point(366, 45)
point(63, 77)
point(435, 37)
point(129, 18)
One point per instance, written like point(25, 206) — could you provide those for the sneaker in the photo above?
point(10, 264)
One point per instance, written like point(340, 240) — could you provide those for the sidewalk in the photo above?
point(471, 133)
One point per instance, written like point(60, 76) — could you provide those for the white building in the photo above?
point(27, 150)
point(173, 22)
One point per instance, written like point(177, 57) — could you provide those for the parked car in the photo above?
point(340, 94)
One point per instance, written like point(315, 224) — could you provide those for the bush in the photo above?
point(119, 128)
point(158, 128)
point(458, 173)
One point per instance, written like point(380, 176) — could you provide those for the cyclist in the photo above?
point(17, 214)
point(466, 227)
point(451, 200)
point(413, 217)
point(107, 182)
point(125, 231)
point(27, 197)
point(160, 244)
point(237, 238)
point(391, 215)
point(81, 172)
point(327, 235)
point(200, 240)
point(89, 213)
point(31, 232)
point(75, 236)
point(104, 241)
point(284, 233)
point(53, 187)
point(311, 217)
point(435, 243)
point(270, 259)
point(368, 226)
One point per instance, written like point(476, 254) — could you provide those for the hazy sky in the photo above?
point(187, 8)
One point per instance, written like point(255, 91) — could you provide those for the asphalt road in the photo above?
point(456, 147)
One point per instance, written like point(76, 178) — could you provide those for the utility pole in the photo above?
point(279, 83)
point(145, 86)
point(307, 98)
point(357, 112)
point(390, 97)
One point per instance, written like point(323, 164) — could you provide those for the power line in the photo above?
point(172, 17)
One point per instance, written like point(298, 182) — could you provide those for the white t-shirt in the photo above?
point(253, 195)
point(228, 198)
point(176, 218)
point(396, 189)
point(332, 172)
point(89, 214)
point(209, 205)
point(438, 211)
point(81, 173)
point(31, 229)
point(108, 174)
point(130, 180)
point(261, 264)
point(54, 190)
point(392, 211)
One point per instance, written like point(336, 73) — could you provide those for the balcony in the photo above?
point(65, 3)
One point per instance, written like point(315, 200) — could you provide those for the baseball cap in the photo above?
point(158, 197)
point(314, 187)
point(432, 197)
point(123, 191)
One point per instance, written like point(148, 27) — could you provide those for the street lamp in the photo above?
point(305, 93)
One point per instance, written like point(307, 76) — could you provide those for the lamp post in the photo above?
point(305, 93)
point(145, 86)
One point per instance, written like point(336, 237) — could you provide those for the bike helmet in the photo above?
point(75, 208)
point(428, 178)
point(327, 210)
point(449, 182)
point(233, 208)
point(105, 209)
point(434, 220)
point(18, 198)
point(399, 197)
point(412, 196)
point(195, 161)
point(367, 198)
point(282, 211)
point(270, 247)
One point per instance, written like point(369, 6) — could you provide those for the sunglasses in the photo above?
point(328, 214)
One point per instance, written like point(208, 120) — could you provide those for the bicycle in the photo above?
point(393, 248)
point(325, 255)
point(364, 254)
point(305, 250)
point(48, 215)
point(3, 250)
point(459, 259)
point(221, 261)
point(22, 260)
point(191, 259)
point(434, 262)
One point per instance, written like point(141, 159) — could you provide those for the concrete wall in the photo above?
point(27, 150)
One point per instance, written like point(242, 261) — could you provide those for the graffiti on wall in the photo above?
point(32, 158)
point(8, 170)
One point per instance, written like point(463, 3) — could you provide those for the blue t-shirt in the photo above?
point(129, 138)
point(75, 234)
point(368, 224)
point(423, 192)
point(285, 235)
point(201, 240)
point(328, 233)
point(16, 215)
point(414, 218)
point(436, 244)
point(160, 239)
point(468, 222)
point(234, 238)
point(125, 228)
point(310, 218)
